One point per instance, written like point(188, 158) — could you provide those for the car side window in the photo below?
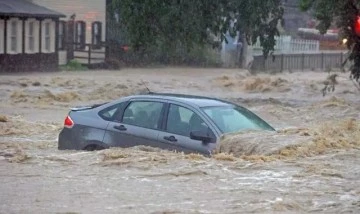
point(109, 112)
point(182, 121)
point(144, 114)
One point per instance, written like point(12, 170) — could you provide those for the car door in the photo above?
point(137, 124)
point(180, 121)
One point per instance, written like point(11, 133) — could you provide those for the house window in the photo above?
point(96, 35)
point(80, 35)
point(47, 37)
point(31, 39)
point(62, 28)
point(13, 36)
point(31, 36)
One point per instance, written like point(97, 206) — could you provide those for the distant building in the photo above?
point(28, 37)
point(83, 26)
point(294, 17)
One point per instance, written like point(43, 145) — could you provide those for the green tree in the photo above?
point(343, 14)
point(170, 23)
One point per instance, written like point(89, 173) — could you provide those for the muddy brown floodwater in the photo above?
point(310, 164)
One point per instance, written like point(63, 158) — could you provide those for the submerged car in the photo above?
point(174, 122)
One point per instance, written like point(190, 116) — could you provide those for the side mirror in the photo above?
point(200, 136)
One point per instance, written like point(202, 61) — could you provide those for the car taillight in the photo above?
point(68, 123)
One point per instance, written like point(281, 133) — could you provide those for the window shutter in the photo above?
point(62, 35)
point(80, 34)
point(2, 27)
point(83, 34)
point(93, 33)
point(27, 32)
point(100, 32)
point(96, 34)
point(77, 32)
point(53, 36)
point(43, 36)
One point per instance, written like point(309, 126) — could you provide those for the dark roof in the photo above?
point(199, 101)
point(24, 8)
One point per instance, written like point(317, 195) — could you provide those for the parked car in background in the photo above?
point(174, 122)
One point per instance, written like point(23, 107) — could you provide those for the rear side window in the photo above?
point(144, 114)
point(111, 112)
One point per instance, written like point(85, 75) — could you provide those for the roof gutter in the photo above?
point(26, 15)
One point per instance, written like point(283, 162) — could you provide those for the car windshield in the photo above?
point(233, 119)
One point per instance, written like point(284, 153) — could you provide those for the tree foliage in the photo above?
point(199, 22)
point(343, 15)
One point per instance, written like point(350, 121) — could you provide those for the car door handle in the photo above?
point(120, 128)
point(170, 138)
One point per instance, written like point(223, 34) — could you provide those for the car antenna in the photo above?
point(149, 92)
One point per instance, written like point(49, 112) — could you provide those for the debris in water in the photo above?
point(329, 84)
point(259, 84)
point(36, 83)
point(300, 131)
point(195, 156)
point(15, 154)
point(332, 102)
point(117, 91)
point(45, 96)
point(137, 155)
point(324, 170)
point(23, 84)
point(330, 136)
point(179, 174)
point(60, 97)
point(19, 157)
point(112, 154)
point(19, 96)
point(283, 206)
point(19, 126)
point(224, 157)
point(3, 119)
point(259, 158)
point(253, 84)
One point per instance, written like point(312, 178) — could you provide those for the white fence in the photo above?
point(231, 52)
point(303, 61)
point(287, 45)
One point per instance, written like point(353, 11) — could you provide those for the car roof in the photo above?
point(198, 101)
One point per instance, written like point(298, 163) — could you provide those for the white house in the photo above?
point(28, 36)
point(89, 17)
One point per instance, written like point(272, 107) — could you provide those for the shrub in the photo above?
point(113, 63)
point(73, 65)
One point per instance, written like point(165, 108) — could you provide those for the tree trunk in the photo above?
point(247, 57)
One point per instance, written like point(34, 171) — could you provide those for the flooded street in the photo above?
point(310, 164)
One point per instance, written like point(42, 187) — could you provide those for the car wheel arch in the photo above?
point(94, 145)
